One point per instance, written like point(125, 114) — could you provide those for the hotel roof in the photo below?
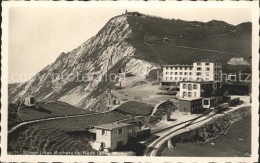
point(196, 81)
point(111, 126)
point(206, 60)
point(177, 65)
point(190, 98)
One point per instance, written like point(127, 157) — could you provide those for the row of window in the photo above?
point(200, 74)
point(119, 131)
point(189, 86)
point(178, 78)
point(217, 68)
point(199, 69)
point(180, 73)
point(185, 79)
point(189, 94)
point(207, 63)
point(186, 73)
point(178, 68)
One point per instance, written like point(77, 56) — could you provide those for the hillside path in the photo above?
point(48, 119)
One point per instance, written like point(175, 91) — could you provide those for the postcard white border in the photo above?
point(253, 5)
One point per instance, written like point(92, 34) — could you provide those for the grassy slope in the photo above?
point(227, 145)
point(59, 135)
point(13, 116)
point(51, 109)
point(48, 138)
point(64, 134)
point(135, 108)
point(157, 51)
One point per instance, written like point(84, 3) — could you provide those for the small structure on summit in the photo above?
point(132, 13)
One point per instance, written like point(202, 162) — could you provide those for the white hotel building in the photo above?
point(199, 71)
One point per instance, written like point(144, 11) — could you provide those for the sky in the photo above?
point(37, 36)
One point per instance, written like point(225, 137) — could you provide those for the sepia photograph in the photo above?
point(122, 79)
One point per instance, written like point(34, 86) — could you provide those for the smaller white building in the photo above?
point(196, 89)
point(112, 135)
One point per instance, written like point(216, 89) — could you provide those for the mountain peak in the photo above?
point(137, 43)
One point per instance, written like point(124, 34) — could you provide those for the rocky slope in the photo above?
point(133, 44)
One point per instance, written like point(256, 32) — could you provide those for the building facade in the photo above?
point(199, 71)
point(196, 89)
point(207, 70)
point(112, 135)
point(190, 105)
point(210, 91)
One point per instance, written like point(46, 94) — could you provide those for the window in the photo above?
point(207, 79)
point(171, 73)
point(180, 78)
point(185, 68)
point(180, 68)
point(170, 78)
point(189, 94)
point(198, 64)
point(176, 78)
point(176, 73)
point(207, 64)
point(103, 132)
point(207, 73)
point(184, 86)
point(195, 86)
point(119, 131)
point(185, 73)
point(171, 68)
point(184, 94)
point(180, 73)
point(189, 87)
point(198, 73)
point(167, 73)
point(206, 102)
point(198, 68)
point(190, 73)
point(207, 69)
point(166, 68)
